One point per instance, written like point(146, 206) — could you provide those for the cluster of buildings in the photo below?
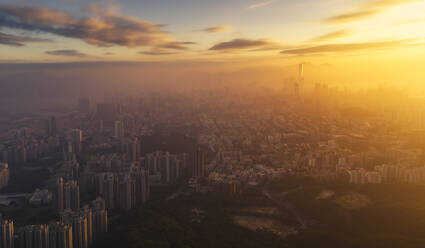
point(165, 168)
point(76, 229)
point(388, 174)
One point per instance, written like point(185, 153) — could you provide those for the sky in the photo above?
point(368, 35)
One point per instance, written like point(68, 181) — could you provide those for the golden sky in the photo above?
point(357, 34)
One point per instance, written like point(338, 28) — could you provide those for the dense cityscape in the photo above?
point(212, 124)
point(96, 161)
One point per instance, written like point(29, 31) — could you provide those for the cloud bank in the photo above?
point(347, 47)
point(238, 44)
point(216, 29)
point(71, 53)
point(100, 27)
point(367, 10)
point(14, 40)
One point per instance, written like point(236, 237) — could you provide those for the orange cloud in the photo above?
point(333, 35)
point(216, 29)
point(348, 47)
point(367, 10)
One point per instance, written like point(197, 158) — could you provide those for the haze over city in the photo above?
point(204, 124)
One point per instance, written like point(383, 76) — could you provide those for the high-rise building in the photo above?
point(87, 223)
point(51, 126)
point(79, 223)
point(100, 217)
point(118, 129)
point(84, 105)
point(106, 186)
point(60, 235)
point(58, 195)
point(198, 164)
point(33, 236)
point(71, 192)
point(132, 149)
point(75, 141)
point(4, 175)
point(67, 195)
point(124, 190)
point(6, 234)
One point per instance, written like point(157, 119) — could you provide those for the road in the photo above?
point(303, 223)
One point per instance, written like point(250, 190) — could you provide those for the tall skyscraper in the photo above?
point(118, 129)
point(106, 186)
point(67, 195)
point(58, 195)
point(100, 217)
point(126, 192)
point(198, 164)
point(79, 225)
point(60, 235)
point(6, 234)
point(75, 140)
point(298, 84)
point(71, 193)
point(87, 212)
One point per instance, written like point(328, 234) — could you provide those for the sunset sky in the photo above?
point(136, 30)
point(350, 32)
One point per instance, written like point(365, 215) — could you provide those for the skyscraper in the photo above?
point(87, 212)
point(75, 139)
point(79, 225)
point(71, 195)
point(67, 195)
point(6, 234)
point(126, 192)
point(118, 129)
point(198, 164)
point(60, 235)
point(100, 217)
point(58, 195)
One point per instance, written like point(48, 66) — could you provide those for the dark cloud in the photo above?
point(333, 35)
point(177, 45)
point(72, 53)
point(216, 29)
point(240, 44)
point(349, 47)
point(13, 40)
point(367, 10)
point(101, 27)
